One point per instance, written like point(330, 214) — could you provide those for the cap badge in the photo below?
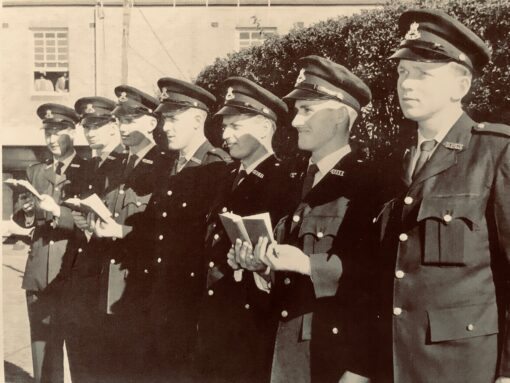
point(49, 114)
point(123, 97)
point(164, 94)
point(413, 33)
point(230, 94)
point(265, 110)
point(301, 77)
point(90, 109)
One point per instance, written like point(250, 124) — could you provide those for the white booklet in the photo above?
point(248, 228)
point(91, 204)
point(24, 183)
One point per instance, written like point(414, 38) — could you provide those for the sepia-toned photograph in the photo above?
point(255, 191)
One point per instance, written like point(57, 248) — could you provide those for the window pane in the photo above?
point(62, 50)
point(50, 50)
point(50, 57)
point(39, 65)
point(244, 35)
point(62, 43)
point(38, 42)
point(62, 65)
point(39, 57)
point(39, 50)
point(51, 65)
point(255, 35)
point(48, 35)
point(62, 57)
point(38, 35)
point(64, 34)
point(50, 42)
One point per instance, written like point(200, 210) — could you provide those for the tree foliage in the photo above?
point(362, 43)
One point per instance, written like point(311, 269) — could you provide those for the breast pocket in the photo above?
point(448, 222)
point(319, 232)
point(135, 203)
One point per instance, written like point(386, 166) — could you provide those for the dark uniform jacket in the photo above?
point(172, 230)
point(322, 318)
point(445, 251)
point(236, 326)
point(204, 155)
point(51, 235)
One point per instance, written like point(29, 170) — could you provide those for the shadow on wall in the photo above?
point(15, 374)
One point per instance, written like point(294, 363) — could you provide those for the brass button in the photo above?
point(296, 218)
point(121, 191)
point(52, 242)
point(403, 237)
point(114, 238)
point(116, 214)
point(408, 200)
point(211, 264)
point(184, 204)
point(138, 203)
point(56, 188)
point(285, 314)
point(158, 260)
point(146, 271)
point(210, 293)
point(160, 237)
point(399, 274)
point(286, 281)
point(447, 218)
point(374, 220)
point(164, 214)
point(216, 237)
point(80, 250)
point(334, 330)
point(470, 327)
point(90, 186)
point(481, 126)
point(112, 261)
point(224, 210)
point(247, 306)
point(397, 311)
point(192, 274)
point(169, 193)
point(320, 234)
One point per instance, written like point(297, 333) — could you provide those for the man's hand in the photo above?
point(47, 203)
point(81, 221)
point(247, 258)
point(110, 229)
point(350, 377)
point(231, 259)
point(284, 258)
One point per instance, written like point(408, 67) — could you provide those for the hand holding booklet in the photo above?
point(248, 228)
point(24, 183)
point(91, 204)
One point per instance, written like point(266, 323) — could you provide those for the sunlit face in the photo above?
point(134, 130)
point(424, 88)
point(26, 202)
point(180, 127)
point(59, 141)
point(316, 122)
point(100, 136)
point(243, 133)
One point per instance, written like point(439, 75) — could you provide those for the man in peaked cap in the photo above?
point(184, 108)
point(123, 285)
point(319, 256)
point(445, 232)
point(61, 177)
point(232, 307)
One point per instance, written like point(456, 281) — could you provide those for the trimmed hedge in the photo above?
point(362, 43)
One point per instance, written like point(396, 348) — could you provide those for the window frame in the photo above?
point(251, 31)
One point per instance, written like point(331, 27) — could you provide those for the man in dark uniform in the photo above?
point(169, 229)
point(320, 253)
point(60, 178)
point(78, 280)
point(445, 249)
point(124, 284)
point(184, 108)
point(232, 308)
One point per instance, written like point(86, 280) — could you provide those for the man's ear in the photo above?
point(199, 118)
point(153, 122)
point(461, 89)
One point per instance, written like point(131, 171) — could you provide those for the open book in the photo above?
point(23, 183)
point(91, 204)
point(248, 228)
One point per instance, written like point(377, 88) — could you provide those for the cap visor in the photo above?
point(125, 110)
point(169, 108)
point(53, 124)
point(228, 110)
point(98, 121)
point(304, 94)
point(419, 55)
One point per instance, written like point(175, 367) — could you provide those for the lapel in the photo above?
point(113, 156)
point(145, 166)
point(445, 156)
point(255, 177)
point(198, 156)
point(49, 173)
point(73, 171)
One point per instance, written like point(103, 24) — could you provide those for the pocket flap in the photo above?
point(448, 208)
point(463, 322)
point(320, 226)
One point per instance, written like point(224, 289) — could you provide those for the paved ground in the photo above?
point(17, 353)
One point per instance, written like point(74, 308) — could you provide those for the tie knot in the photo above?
point(59, 167)
point(427, 146)
point(312, 169)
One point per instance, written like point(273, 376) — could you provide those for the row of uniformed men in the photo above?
point(142, 296)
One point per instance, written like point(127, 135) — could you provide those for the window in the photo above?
point(51, 60)
point(250, 37)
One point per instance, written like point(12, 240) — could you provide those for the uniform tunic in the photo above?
point(445, 248)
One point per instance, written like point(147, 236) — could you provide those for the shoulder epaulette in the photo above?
point(221, 154)
point(486, 127)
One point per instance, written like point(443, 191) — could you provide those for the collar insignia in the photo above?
point(230, 94)
point(258, 174)
point(74, 165)
point(453, 145)
point(413, 33)
point(337, 172)
point(90, 109)
point(164, 95)
point(301, 77)
point(123, 97)
point(147, 161)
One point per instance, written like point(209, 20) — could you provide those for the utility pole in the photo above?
point(126, 17)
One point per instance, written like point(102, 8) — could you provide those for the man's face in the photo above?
point(425, 88)
point(315, 122)
point(133, 130)
point(100, 135)
point(180, 128)
point(26, 202)
point(242, 133)
point(59, 141)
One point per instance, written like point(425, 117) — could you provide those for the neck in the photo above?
point(136, 148)
point(198, 139)
point(430, 127)
point(64, 156)
point(329, 147)
point(254, 157)
point(107, 149)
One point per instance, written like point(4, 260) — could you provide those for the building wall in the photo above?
point(164, 41)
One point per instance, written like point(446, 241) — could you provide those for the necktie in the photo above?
point(241, 175)
point(130, 165)
point(180, 164)
point(426, 148)
point(59, 167)
point(309, 178)
point(95, 162)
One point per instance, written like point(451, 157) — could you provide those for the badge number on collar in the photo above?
point(337, 172)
